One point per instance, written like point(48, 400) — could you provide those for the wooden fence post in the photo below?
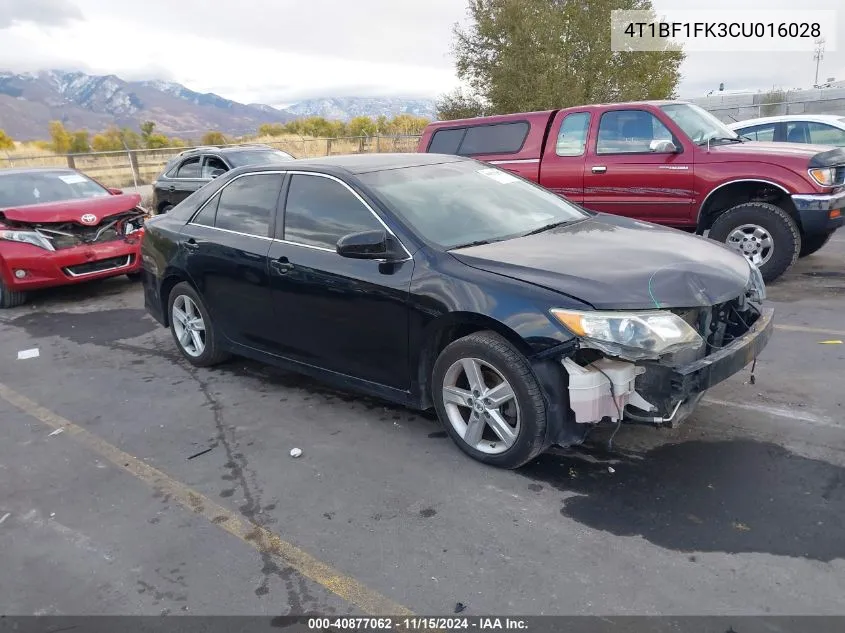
point(328, 147)
point(133, 163)
point(378, 143)
point(70, 161)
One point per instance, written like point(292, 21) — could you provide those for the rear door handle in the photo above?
point(599, 169)
point(191, 244)
point(281, 266)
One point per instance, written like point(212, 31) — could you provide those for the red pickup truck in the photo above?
point(671, 163)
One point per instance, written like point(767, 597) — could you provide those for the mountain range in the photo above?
point(29, 101)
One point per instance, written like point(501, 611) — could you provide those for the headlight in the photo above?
point(655, 332)
point(27, 237)
point(825, 176)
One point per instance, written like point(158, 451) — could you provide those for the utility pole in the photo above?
point(818, 56)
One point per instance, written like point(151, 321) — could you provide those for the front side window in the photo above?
point(823, 134)
point(629, 132)
point(455, 204)
point(572, 138)
point(248, 203)
point(319, 211)
point(698, 124)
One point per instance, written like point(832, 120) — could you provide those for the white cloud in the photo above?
point(279, 51)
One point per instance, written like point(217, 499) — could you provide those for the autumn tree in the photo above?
point(6, 141)
point(361, 126)
point(80, 142)
point(61, 138)
point(524, 55)
point(459, 104)
point(214, 137)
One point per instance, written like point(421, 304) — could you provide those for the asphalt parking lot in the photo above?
point(740, 511)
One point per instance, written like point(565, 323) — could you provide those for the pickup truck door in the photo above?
point(562, 169)
point(623, 176)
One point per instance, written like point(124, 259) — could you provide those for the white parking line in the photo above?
point(780, 412)
point(809, 330)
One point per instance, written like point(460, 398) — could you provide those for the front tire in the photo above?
point(764, 233)
point(10, 298)
point(192, 329)
point(812, 243)
point(489, 401)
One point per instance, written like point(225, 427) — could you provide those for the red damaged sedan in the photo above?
point(58, 227)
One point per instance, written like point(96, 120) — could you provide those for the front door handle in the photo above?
point(599, 169)
point(172, 188)
point(191, 244)
point(281, 266)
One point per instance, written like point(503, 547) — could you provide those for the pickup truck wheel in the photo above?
point(764, 233)
point(489, 400)
point(812, 243)
point(10, 298)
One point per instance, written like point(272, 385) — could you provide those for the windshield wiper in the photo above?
point(475, 243)
point(547, 227)
point(715, 139)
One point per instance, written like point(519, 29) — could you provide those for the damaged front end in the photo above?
point(56, 236)
point(653, 366)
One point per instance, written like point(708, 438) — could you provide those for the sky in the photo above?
point(282, 51)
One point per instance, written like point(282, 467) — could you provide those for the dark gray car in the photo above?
point(193, 168)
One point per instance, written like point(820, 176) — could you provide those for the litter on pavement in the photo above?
point(28, 353)
point(295, 452)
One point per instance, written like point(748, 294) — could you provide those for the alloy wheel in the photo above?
point(753, 242)
point(481, 406)
point(189, 326)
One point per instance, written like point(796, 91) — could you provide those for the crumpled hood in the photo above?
point(73, 210)
point(615, 263)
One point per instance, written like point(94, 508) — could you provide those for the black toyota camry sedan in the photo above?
point(439, 281)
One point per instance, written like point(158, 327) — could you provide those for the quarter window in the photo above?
point(319, 211)
point(189, 169)
point(248, 203)
point(572, 138)
point(629, 132)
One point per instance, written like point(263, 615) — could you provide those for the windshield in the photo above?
point(21, 189)
point(459, 203)
point(260, 157)
point(698, 123)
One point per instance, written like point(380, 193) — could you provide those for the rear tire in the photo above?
point(812, 243)
point(192, 329)
point(489, 401)
point(740, 226)
point(10, 298)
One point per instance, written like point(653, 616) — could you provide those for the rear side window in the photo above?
point(248, 203)
point(500, 138)
point(572, 139)
point(765, 132)
point(189, 169)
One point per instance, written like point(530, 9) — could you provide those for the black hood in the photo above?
point(615, 263)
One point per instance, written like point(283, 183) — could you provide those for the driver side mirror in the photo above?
point(662, 147)
point(115, 191)
point(215, 173)
point(366, 245)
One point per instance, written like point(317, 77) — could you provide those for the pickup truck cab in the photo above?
point(670, 163)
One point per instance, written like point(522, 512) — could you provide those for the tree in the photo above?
point(108, 141)
point(361, 126)
point(214, 137)
point(523, 55)
point(271, 129)
point(79, 142)
point(459, 104)
point(61, 137)
point(157, 141)
point(6, 141)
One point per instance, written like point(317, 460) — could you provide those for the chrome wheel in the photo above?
point(752, 241)
point(481, 406)
point(188, 325)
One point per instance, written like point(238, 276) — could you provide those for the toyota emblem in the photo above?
point(89, 218)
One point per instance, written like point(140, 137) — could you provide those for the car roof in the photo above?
point(362, 163)
point(838, 120)
point(13, 171)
